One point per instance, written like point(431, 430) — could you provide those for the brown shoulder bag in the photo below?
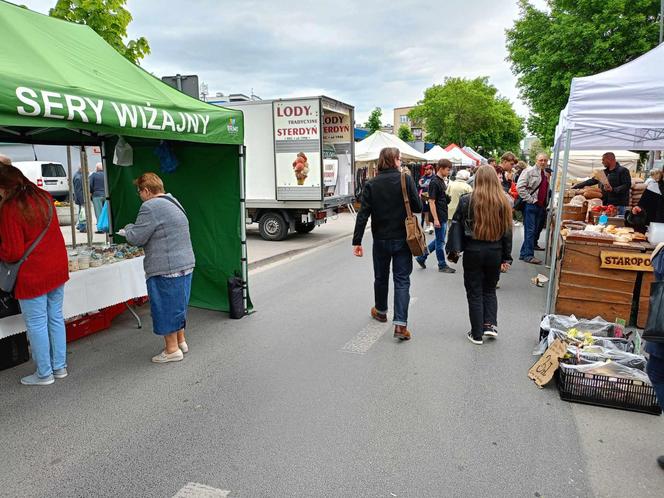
point(414, 234)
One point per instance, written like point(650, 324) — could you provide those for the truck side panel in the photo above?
point(260, 151)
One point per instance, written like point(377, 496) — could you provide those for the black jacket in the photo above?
point(383, 201)
point(470, 243)
point(619, 179)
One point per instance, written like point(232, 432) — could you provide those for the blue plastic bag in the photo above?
point(168, 163)
point(102, 222)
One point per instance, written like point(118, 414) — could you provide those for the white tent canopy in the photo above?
point(437, 153)
point(475, 154)
point(460, 157)
point(582, 163)
point(369, 148)
point(622, 108)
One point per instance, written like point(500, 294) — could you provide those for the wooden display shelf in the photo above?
point(587, 290)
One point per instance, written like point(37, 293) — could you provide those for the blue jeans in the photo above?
point(655, 370)
point(46, 330)
point(532, 219)
point(98, 204)
point(397, 253)
point(437, 244)
point(621, 210)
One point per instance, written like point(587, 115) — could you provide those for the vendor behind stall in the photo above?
point(651, 202)
point(618, 183)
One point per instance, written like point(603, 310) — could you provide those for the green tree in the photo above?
point(405, 134)
point(535, 148)
point(109, 19)
point(373, 124)
point(574, 38)
point(469, 112)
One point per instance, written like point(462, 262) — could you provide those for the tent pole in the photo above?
point(107, 195)
point(86, 193)
point(74, 221)
point(243, 232)
point(549, 211)
point(556, 234)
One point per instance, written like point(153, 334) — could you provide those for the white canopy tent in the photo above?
point(460, 157)
point(622, 108)
point(369, 149)
point(582, 163)
point(437, 153)
point(476, 155)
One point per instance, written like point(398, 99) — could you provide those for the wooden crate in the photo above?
point(644, 299)
point(586, 290)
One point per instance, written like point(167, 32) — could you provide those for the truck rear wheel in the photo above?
point(273, 226)
point(305, 227)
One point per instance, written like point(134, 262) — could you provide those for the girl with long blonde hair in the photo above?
point(486, 218)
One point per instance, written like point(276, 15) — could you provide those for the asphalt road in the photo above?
point(308, 397)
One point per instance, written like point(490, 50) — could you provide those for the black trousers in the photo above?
point(481, 271)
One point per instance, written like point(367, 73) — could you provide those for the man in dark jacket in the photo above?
point(620, 183)
point(383, 201)
point(79, 199)
point(98, 189)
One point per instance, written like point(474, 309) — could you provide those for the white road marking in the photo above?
point(368, 336)
point(197, 490)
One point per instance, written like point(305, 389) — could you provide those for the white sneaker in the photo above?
point(165, 357)
point(183, 346)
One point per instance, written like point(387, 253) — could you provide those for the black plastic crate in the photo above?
point(14, 350)
point(611, 392)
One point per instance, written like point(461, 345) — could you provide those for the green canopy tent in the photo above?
point(62, 84)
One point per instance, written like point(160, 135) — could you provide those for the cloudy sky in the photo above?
point(366, 53)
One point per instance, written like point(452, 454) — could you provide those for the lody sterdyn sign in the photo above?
point(56, 105)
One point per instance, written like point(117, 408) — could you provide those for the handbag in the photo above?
point(414, 234)
point(456, 236)
point(519, 203)
point(9, 306)
point(654, 331)
point(9, 271)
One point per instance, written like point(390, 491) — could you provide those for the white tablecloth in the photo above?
point(93, 289)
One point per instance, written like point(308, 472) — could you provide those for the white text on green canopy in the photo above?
point(54, 105)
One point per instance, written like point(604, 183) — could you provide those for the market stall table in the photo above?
point(91, 290)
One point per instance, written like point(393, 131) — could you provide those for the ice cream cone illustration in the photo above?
point(301, 168)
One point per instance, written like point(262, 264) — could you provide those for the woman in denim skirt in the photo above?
point(162, 229)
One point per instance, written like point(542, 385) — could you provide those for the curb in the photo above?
point(294, 252)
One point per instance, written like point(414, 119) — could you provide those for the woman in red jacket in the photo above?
point(24, 213)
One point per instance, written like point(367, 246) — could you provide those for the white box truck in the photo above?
point(299, 162)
